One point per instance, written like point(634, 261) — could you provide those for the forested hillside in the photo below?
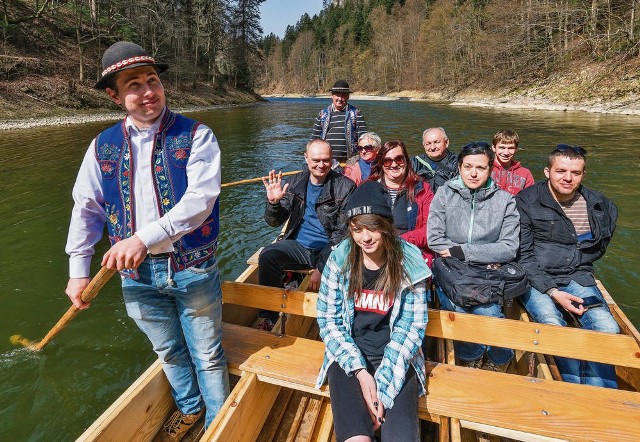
point(571, 51)
point(51, 49)
point(563, 50)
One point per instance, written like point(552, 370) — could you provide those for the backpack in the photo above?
point(468, 285)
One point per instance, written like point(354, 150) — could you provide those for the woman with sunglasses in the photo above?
point(409, 195)
point(372, 315)
point(358, 167)
point(473, 220)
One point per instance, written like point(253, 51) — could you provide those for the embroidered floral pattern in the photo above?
point(171, 154)
point(106, 167)
point(180, 154)
point(115, 224)
point(179, 148)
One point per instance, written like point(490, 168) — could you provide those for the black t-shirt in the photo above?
point(371, 331)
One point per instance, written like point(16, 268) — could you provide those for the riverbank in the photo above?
point(629, 106)
point(29, 123)
point(32, 103)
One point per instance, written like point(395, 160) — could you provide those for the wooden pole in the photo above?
point(90, 292)
point(258, 179)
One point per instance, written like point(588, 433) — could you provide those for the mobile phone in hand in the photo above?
point(588, 302)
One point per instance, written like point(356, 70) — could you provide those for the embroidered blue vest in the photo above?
point(350, 133)
point(172, 147)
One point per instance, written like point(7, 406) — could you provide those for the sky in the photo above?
point(276, 15)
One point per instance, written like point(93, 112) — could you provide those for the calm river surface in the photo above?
point(54, 395)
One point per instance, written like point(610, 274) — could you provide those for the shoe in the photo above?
point(492, 366)
point(266, 325)
point(476, 363)
point(175, 428)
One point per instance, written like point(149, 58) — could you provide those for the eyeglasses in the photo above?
point(566, 147)
point(366, 148)
point(399, 160)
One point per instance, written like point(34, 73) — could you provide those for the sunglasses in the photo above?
point(366, 148)
point(399, 160)
point(567, 147)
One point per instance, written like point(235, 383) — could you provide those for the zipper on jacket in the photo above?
point(473, 213)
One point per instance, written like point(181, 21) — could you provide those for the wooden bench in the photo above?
point(518, 407)
point(505, 404)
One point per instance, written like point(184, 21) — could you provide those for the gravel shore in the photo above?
point(92, 118)
point(58, 121)
point(628, 107)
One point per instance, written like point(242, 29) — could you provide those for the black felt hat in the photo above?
point(369, 198)
point(341, 86)
point(125, 55)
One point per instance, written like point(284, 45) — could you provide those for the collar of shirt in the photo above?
point(144, 133)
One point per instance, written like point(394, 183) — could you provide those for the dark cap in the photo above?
point(125, 55)
point(341, 86)
point(368, 198)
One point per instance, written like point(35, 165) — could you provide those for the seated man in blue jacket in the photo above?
point(564, 228)
point(313, 202)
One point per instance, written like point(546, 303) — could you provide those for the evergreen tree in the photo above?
point(245, 19)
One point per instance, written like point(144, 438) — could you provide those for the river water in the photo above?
point(57, 393)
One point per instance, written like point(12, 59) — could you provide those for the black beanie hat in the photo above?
point(369, 198)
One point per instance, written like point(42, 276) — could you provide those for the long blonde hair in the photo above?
point(390, 280)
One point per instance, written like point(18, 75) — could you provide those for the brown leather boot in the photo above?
point(492, 366)
point(476, 363)
point(177, 426)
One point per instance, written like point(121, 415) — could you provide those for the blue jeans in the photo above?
point(543, 309)
point(181, 314)
point(468, 351)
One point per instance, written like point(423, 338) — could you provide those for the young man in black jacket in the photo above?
point(564, 228)
point(313, 202)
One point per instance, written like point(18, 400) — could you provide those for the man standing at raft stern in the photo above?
point(565, 227)
point(313, 202)
point(437, 164)
point(340, 124)
point(154, 178)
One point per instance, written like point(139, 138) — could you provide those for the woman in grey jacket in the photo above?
point(473, 220)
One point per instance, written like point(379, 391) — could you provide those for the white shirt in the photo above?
point(157, 233)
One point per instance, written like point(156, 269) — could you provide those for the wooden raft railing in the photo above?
point(529, 408)
point(539, 407)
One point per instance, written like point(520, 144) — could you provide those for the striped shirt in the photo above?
point(393, 193)
point(576, 211)
point(336, 133)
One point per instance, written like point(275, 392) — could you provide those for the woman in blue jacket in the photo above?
point(372, 314)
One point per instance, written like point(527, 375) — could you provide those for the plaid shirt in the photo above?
point(408, 322)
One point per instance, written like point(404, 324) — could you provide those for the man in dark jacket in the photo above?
point(313, 202)
point(437, 164)
point(564, 228)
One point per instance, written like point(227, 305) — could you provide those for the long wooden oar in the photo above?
point(90, 292)
point(255, 180)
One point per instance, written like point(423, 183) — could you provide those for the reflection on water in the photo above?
point(57, 393)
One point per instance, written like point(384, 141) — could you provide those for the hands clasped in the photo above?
point(273, 184)
point(370, 394)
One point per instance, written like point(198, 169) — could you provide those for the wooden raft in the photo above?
point(274, 368)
